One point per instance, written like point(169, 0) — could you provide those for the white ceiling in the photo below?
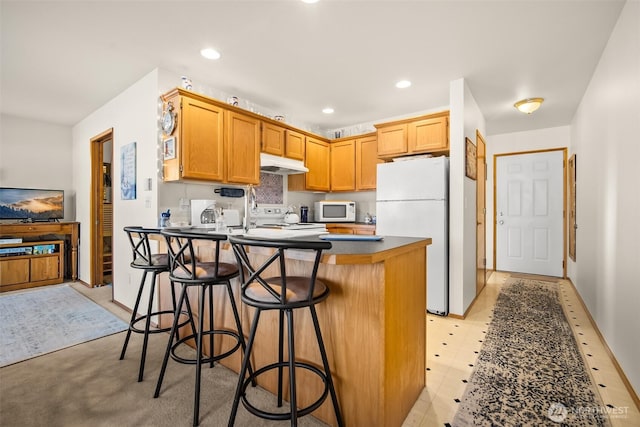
point(63, 60)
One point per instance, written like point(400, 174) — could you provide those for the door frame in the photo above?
point(481, 211)
point(96, 250)
point(564, 202)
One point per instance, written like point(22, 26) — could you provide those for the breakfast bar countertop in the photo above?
point(355, 252)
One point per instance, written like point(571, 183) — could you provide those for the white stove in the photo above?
point(270, 223)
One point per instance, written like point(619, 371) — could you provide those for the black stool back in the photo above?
point(284, 293)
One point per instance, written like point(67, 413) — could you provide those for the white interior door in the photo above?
point(529, 213)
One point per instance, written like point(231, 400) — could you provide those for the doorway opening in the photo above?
point(101, 209)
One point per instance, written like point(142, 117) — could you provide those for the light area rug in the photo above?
point(530, 370)
point(36, 322)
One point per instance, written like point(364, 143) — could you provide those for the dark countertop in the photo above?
point(366, 251)
point(354, 252)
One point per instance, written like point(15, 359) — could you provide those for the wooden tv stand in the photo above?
point(36, 263)
point(34, 231)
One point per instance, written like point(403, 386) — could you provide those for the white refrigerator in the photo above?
point(412, 201)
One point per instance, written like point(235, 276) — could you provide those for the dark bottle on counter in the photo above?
point(304, 214)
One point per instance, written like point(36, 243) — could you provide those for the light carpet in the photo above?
point(530, 370)
point(36, 322)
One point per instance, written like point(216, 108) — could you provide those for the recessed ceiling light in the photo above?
point(402, 84)
point(327, 110)
point(210, 53)
point(310, 1)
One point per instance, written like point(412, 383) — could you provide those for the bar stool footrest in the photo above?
point(209, 359)
point(280, 416)
point(137, 330)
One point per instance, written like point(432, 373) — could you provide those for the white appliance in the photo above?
point(270, 223)
point(412, 201)
point(281, 165)
point(334, 211)
point(203, 213)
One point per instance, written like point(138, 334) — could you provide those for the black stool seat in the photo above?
point(148, 262)
point(283, 293)
point(185, 268)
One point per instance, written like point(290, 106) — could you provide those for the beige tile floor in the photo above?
point(453, 346)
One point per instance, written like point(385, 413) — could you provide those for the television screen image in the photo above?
point(31, 204)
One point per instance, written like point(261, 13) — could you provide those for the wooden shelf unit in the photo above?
point(68, 230)
point(32, 269)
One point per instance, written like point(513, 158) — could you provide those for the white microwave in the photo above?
point(334, 211)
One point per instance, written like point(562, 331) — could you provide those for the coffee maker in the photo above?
point(203, 213)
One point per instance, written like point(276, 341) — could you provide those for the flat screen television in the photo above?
point(31, 204)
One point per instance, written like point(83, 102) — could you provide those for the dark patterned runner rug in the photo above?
point(530, 370)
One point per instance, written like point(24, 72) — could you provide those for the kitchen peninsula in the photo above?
point(373, 325)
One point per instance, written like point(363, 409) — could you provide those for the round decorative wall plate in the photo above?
point(168, 119)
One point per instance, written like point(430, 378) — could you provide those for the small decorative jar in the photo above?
point(186, 83)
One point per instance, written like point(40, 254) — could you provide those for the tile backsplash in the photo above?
point(271, 189)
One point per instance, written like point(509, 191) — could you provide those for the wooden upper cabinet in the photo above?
point(242, 148)
point(366, 162)
point(273, 139)
point(200, 140)
point(212, 142)
point(392, 139)
point(294, 144)
point(280, 141)
point(343, 165)
point(429, 135)
point(424, 134)
point(317, 160)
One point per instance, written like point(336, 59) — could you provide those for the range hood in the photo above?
point(281, 165)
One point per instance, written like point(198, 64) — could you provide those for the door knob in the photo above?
point(501, 222)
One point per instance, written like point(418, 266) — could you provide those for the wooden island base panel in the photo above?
point(373, 326)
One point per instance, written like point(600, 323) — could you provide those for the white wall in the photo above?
point(465, 117)
point(516, 142)
point(37, 154)
point(133, 115)
point(604, 136)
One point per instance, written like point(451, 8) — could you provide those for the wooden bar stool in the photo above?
point(148, 262)
point(186, 269)
point(285, 294)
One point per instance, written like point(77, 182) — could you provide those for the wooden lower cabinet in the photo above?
point(363, 229)
point(32, 269)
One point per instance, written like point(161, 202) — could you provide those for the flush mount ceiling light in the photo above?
point(403, 84)
point(327, 110)
point(529, 105)
point(210, 53)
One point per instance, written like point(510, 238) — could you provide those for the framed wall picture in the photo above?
point(169, 148)
point(128, 172)
point(471, 165)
